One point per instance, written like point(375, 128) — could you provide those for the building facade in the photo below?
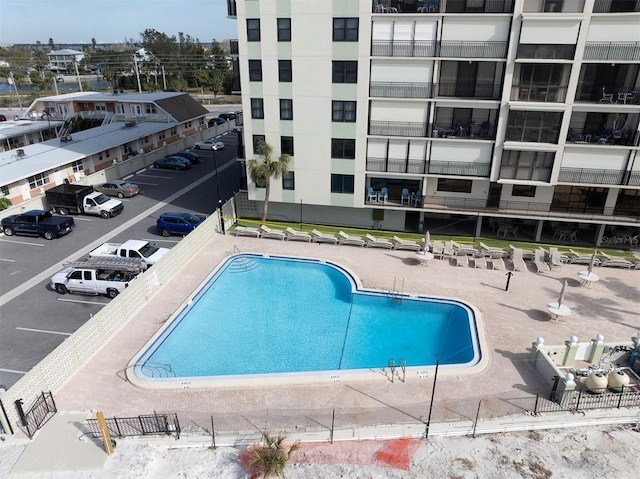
point(408, 115)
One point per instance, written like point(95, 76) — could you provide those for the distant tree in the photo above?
point(261, 171)
point(216, 82)
point(37, 79)
point(219, 56)
point(93, 43)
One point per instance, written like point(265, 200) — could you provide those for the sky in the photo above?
point(111, 21)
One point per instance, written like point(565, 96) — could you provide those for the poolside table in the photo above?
point(557, 311)
point(588, 278)
point(424, 257)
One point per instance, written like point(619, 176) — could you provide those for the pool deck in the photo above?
point(511, 320)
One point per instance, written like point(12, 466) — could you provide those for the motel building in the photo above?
point(515, 118)
point(63, 138)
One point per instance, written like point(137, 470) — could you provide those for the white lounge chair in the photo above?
point(324, 237)
point(539, 262)
point(267, 232)
point(616, 261)
point(479, 261)
point(399, 243)
point(295, 235)
point(437, 248)
point(373, 242)
point(247, 231)
point(517, 259)
point(577, 258)
point(492, 251)
point(497, 263)
point(461, 259)
point(344, 238)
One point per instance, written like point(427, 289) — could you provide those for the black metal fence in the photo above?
point(157, 423)
point(581, 399)
point(42, 409)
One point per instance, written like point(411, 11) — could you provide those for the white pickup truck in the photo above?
point(96, 277)
point(149, 253)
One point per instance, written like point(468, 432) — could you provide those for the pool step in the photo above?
point(242, 265)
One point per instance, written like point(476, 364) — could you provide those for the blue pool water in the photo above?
point(267, 315)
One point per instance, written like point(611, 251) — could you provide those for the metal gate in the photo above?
point(43, 409)
point(139, 425)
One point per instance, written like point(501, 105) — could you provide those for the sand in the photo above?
point(612, 451)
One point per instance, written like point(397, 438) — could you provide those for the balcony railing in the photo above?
point(479, 6)
point(547, 210)
point(634, 178)
point(403, 48)
point(544, 93)
point(597, 177)
point(617, 6)
point(626, 137)
point(588, 92)
point(612, 51)
point(400, 90)
point(473, 49)
point(233, 47)
point(459, 168)
point(397, 128)
point(396, 165)
point(467, 89)
point(232, 10)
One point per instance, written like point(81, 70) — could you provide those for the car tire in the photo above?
point(197, 147)
point(62, 211)
point(112, 293)
point(8, 230)
point(165, 232)
point(61, 289)
point(120, 195)
point(48, 235)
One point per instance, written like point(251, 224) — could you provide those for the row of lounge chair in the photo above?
point(319, 237)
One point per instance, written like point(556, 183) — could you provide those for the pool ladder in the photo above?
point(402, 364)
point(396, 295)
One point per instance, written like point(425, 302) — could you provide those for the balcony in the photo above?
point(233, 47)
point(468, 89)
point(403, 48)
point(396, 165)
point(397, 128)
point(478, 6)
point(232, 10)
point(616, 6)
point(612, 51)
point(595, 177)
point(486, 50)
point(589, 93)
point(458, 168)
point(608, 136)
point(543, 93)
point(421, 167)
point(400, 90)
point(544, 210)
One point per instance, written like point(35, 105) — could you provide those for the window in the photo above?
point(257, 139)
point(150, 108)
point(523, 190)
point(343, 148)
point(136, 110)
point(288, 180)
point(526, 165)
point(257, 108)
point(77, 166)
point(285, 71)
point(345, 72)
point(343, 111)
point(286, 145)
point(36, 181)
point(255, 70)
point(454, 185)
point(533, 126)
point(286, 109)
point(4, 190)
point(253, 29)
point(101, 107)
point(345, 29)
point(161, 136)
point(284, 29)
point(342, 184)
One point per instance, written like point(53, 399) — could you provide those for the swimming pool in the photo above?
point(262, 316)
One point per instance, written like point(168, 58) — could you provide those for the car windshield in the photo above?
point(148, 249)
point(101, 199)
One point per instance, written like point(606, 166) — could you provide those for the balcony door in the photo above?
point(466, 81)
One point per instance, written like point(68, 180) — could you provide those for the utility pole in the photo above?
point(12, 81)
point(135, 65)
point(164, 79)
point(75, 64)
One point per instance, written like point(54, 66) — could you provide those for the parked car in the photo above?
point(189, 155)
point(37, 223)
point(230, 115)
point(178, 223)
point(216, 121)
point(211, 144)
point(119, 188)
point(173, 163)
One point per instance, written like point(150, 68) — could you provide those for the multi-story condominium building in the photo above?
point(516, 117)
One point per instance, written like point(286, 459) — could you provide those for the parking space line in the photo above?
point(13, 371)
point(81, 302)
point(44, 331)
point(21, 242)
point(82, 218)
point(156, 240)
point(8, 260)
point(146, 184)
point(161, 177)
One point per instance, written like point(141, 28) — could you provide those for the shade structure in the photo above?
point(563, 291)
point(593, 260)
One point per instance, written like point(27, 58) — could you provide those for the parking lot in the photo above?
point(34, 319)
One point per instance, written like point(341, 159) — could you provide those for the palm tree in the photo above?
point(262, 171)
point(270, 459)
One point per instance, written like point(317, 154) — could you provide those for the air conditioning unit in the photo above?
point(130, 124)
point(20, 152)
